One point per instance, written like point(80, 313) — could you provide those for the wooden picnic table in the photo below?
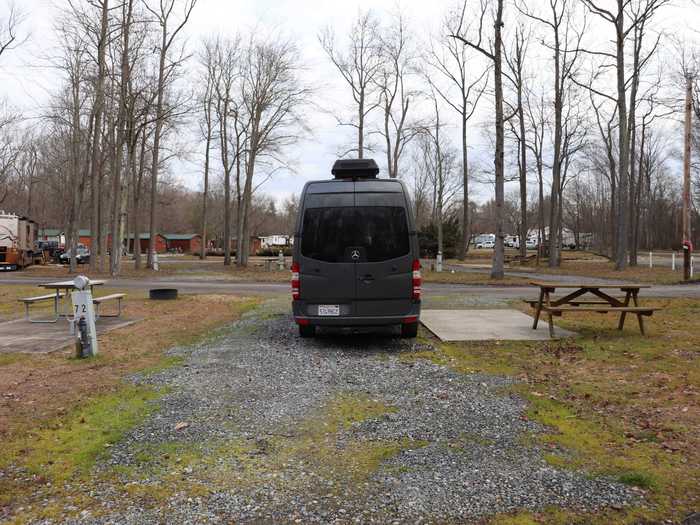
point(603, 302)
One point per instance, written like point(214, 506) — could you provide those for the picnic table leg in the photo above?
point(56, 298)
point(538, 309)
point(640, 318)
point(621, 324)
point(550, 315)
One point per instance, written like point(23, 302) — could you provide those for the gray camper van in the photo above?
point(356, 259)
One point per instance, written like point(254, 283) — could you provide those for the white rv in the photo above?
point(17, 238)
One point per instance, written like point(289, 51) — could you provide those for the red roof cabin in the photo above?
point(144, 238)
point(183, 242)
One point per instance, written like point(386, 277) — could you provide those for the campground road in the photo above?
point(270, 288)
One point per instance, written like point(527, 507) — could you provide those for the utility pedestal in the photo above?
point(84, 318)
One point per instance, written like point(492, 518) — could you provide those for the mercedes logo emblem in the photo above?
point(355, 254)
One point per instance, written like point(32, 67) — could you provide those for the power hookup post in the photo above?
point(84, 318)
point(280, 260)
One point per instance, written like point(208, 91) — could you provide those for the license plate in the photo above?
point(329, 309)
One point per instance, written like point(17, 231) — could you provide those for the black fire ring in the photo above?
point(163, 294)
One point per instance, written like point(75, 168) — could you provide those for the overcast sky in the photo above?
point(26, 80)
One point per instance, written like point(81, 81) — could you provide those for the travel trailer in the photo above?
point(17, 239)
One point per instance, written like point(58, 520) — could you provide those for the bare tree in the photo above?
point(495, 54)
point(516, 64)
point(98, 119)
point(8, 148)
point(360, 66)
point(395, 95)
point(437, 167)
point(68, 116)
point(206, 127)
point(567, 31)
point(163, 14)
point(119, 180)
point(624, 18)
point(10, 21)
point(538, 120)
point(223, 59)
point(272, 95)
point(451, 59)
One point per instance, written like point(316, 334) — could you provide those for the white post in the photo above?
point(438, 262)
point(84, 309)
point(692, 263)
point(673, 261)
point(156, 266)
point(280, 261)
point(651, 264)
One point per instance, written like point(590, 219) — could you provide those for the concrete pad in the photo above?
point(486, 325)
point(21, 336)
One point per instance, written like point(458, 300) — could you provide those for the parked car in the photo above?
point(485, 245)
point(356, 259)
point(531, 244)
point(82, 255)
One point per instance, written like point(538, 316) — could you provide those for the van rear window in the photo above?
point(382, 232)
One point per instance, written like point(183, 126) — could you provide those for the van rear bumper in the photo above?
point(413, 315)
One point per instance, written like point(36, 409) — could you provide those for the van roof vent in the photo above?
point(355, 169)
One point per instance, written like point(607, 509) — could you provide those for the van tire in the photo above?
point(307, 330)
point(409, 330)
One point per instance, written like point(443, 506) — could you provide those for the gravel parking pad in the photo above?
point(262, 426)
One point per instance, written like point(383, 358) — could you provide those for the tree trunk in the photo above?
point(498, 256)
point(205, 195)
point(119, 182)
point(466, 226)
point(361, 126)
point(523, 175)
point(156, 147)
point(555, 194)
point(623, 164)
point(96, 163)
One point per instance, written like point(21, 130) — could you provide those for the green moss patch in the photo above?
point(616, 404)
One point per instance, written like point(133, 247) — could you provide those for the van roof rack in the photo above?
point(355, 169)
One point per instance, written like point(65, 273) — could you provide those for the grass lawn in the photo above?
point(616, 404)
point(471, 278)
point(212, 268)
point(59, 414)
point(585, 264)
point(605, 269)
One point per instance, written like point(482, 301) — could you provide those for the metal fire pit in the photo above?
point(162, 294)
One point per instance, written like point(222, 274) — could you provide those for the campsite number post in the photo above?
point(84, 317)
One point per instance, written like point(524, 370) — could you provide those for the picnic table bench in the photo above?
point(603, 303)
point(28, 301)
point(97, 301)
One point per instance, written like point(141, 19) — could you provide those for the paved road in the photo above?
point(191, 285)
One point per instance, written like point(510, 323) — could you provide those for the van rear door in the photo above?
point(384, 271)
point(327, 270)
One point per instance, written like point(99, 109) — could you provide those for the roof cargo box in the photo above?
point(355, 169)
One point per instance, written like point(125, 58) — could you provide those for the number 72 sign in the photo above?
point(83, 308)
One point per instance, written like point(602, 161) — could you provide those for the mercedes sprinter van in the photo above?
point(356, 259)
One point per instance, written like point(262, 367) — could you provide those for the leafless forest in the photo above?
point(581, 104)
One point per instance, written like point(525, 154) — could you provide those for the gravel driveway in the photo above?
point(261, 426)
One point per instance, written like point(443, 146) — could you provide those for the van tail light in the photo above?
point(417, 280)
point(295, 281)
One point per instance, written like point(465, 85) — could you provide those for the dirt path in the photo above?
point(261, 426)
